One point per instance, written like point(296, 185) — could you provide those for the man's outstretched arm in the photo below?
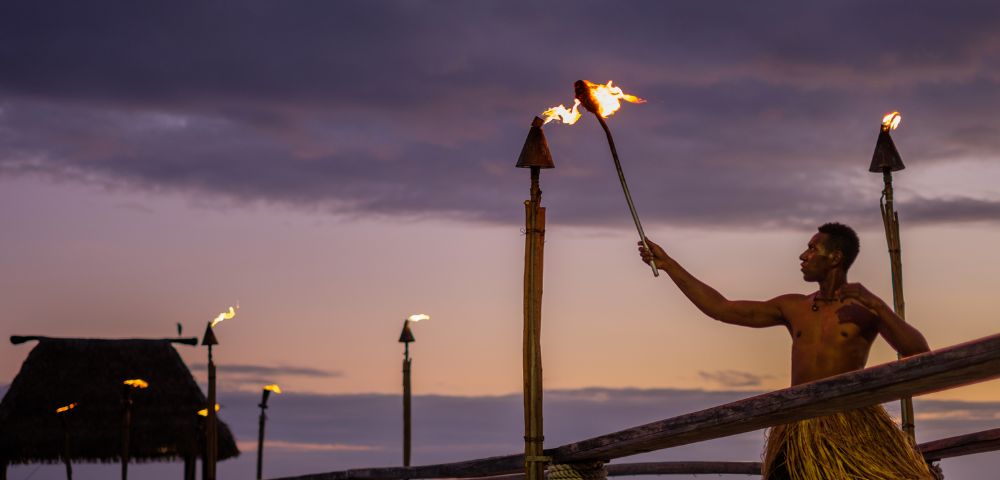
point(902, 336)
point(708, 300)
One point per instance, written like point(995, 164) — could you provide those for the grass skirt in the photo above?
point(862, 444)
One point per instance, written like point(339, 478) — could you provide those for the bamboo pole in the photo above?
point(126, 430)
point(212, 429)
point(890, 220)
point(407, 412)
point(66, 452)
point(260, 435)
point(534, 245)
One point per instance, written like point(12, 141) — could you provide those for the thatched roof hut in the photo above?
point(164, 421)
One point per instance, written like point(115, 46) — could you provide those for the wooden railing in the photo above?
point(943, 369)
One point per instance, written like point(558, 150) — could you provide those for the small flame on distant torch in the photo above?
point(605, 98)
point(225, 315)
point(418, 317)
point(273, 388)
point(67, 408)
point(136, 383)
point(204, 412)
point(891, 121)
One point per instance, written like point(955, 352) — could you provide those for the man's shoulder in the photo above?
point(790, 298)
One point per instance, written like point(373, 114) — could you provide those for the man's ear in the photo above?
point(837, 258)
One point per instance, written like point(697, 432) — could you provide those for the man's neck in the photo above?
point(833, 281)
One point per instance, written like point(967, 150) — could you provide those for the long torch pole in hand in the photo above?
point(628, 196)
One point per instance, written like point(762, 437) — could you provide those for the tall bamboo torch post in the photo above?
point(211, 420)
point(127, 387)
point(536, 156)
point(406, 338)
point(886, 160)
point(265, 392)
point(63, 413)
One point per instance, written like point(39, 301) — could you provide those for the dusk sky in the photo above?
point(336, 166)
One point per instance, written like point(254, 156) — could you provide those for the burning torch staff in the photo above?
point(602, 101)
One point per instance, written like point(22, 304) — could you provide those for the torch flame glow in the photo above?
point(418, 317)
point(565, 115)
point(136, 383)
point(204, 412)
point(891, 121)
point(607, 98)
point(273, 388)
point(66, 408)
point(225, 316)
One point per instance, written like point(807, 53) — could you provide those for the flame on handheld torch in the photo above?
point(418, 317)
point(891, 121)
point(225, 315)
point(67, 408)
point(273, 388)
point(603, 100)
point(136, 383)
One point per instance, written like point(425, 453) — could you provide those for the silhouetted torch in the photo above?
point(212, 420)
point(266, 392)
point(536, 156)
point(886, 160)
point(406, 337)
point(63, 413)
point(603, 101)
point(127, 387)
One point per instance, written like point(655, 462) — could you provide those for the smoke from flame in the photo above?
point(891, 120)
point(607, 98)
point(66, 408)
point(273, 388)
point(225, 315)
point(418, 317)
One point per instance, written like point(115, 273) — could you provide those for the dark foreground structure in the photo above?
point(163, 423)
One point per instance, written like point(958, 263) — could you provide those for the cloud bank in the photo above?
point(757, 115)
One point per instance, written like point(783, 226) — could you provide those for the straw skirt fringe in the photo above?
point(862, 444)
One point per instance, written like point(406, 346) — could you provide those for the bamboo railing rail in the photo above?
point(959, 365)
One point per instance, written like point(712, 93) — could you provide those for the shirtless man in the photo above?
point(832, 329)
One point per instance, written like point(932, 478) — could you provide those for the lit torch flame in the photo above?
point(606, 99)
point(273, 388)
point(225, 316)
point(565, 115)
point(66, 408)
point(891, 121)
point(418, 317)
point(204, 412)
point(136, 383)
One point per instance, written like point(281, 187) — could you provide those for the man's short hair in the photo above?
point(841, 237)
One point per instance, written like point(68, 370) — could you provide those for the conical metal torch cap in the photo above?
point(886, 157)
point(406, 336)
point(209, 338)
point(535, 152)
